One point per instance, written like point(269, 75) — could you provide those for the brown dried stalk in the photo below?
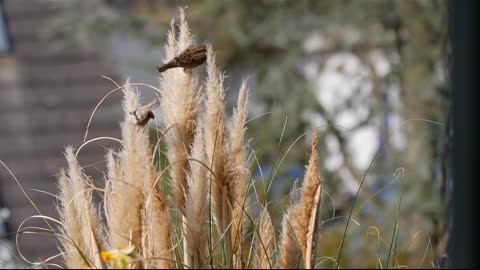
point(264, 245)
point(238, 175)
point(301, 220)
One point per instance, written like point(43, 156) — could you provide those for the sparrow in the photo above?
point(191, 57)
point(142, 115)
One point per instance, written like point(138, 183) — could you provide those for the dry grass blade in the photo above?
point(300, 222)
point(312, 229)
point(238, 175)
point(196, 209)
point(290, 253)
point(264, 245)
point(214, 126)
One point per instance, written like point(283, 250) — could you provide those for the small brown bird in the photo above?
point(142, 115)
point(191, 57)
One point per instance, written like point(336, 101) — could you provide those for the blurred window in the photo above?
point(5, 44)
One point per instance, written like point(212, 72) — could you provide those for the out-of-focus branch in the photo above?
point(332, 127)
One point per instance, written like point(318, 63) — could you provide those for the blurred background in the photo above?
point(371, 76)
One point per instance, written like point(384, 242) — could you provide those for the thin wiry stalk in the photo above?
point(196, 209)
point(264, 245)
point(110, 94)
point(312, 229)
point(300, 222)
point(238, 175)
point(216, 149)
point(393, 242)
point(364, 177)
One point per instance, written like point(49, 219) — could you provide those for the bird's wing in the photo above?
point(194, 55)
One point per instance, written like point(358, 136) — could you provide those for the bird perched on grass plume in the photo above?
point(142, 115)
point(191, 57)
